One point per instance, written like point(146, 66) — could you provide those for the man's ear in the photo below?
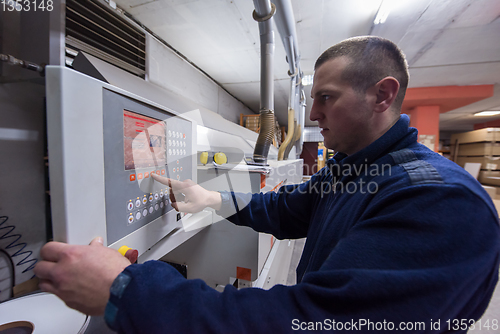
point(386, 91)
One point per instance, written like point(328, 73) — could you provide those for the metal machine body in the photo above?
point(103, 145)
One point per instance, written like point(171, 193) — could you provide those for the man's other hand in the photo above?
point(80, 275)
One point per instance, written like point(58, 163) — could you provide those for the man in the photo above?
point(398, 238)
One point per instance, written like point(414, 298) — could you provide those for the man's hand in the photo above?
point(187, 196)
point(80, 275)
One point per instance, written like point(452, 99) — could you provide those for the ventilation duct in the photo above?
point(285, 22)
point(92, 28)
point(263, 14)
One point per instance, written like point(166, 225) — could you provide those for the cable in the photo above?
point(23, 63)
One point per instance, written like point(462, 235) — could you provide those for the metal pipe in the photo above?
point(302, 117)
point(291, 98)
point(289, 49)
point(262, 7)
point(296, 94)
point(285, 22)
point(264, 11)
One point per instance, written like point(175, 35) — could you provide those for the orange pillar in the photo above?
point(426, 120)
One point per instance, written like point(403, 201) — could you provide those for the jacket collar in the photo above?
point(399, 136)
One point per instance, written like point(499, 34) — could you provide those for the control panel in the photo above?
point(139, 141)
point(104, 144)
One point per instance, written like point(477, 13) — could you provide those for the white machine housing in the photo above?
point(81, 199)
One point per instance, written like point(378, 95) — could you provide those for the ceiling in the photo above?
point(447, 42)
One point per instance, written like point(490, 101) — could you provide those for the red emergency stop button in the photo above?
point(129, 253)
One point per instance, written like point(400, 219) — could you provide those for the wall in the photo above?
point(166, 69)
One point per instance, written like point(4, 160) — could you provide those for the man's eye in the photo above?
point(325, 97)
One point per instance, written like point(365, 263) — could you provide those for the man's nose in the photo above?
point(315, 115)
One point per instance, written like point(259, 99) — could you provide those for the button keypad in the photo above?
point(177, 144)
point(146, 205)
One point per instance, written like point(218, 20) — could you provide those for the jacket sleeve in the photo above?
point(285, 214)
point(394, 268)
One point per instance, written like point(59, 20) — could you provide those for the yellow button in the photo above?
point(204, 157)
point(220, 158)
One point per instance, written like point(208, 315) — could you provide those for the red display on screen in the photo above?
point(143, 140)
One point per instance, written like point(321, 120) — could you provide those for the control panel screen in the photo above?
point(144, 141)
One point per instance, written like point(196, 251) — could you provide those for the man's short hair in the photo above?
point(372, 58)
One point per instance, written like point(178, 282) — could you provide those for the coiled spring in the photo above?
point(6, 233)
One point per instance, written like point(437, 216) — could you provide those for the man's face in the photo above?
point(343, 114)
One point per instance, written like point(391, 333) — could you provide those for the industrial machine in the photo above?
point(104, 143)
point(107, 131)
